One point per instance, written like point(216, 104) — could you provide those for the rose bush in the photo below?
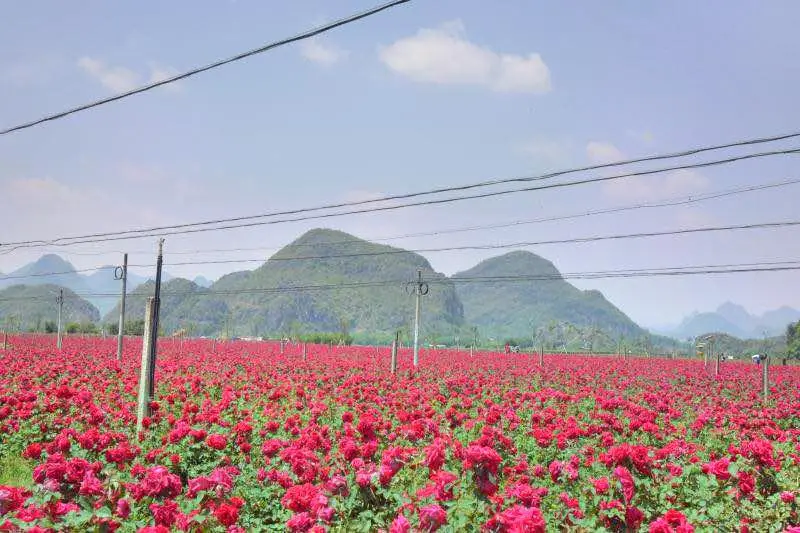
point(244, 438)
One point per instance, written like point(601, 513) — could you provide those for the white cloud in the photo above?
point(601, 153)
point(444, 56)
point(122, 79)
point(644, 188)
point(319, 52)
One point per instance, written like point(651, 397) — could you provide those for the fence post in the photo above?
point(394, 356)
point(765, 378)
point(305, 355)
point(145, 375)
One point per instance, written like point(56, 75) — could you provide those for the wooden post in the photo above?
point(765, 377)
point(145, 375)
point(305, 355)
point(5, 340)
point(716, 365)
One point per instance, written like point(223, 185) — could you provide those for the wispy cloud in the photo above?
point(644, 188)
point(321, 52)
point(118, 79)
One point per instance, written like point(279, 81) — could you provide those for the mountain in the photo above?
point(102, 282)
point(41, 272)
point(321, 258)
point(518, 308)
point(292, 293)
point(736, 321)
point(29, 306)
point(184, 305)
point(203, 281)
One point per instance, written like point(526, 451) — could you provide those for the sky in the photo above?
point(428, 94)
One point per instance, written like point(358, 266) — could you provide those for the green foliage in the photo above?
point(793, 341)
point(15, 471)
point(327, 338)
point(50, 326)
point(72, 328)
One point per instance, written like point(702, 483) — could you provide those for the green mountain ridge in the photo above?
point(522, 306)
point(30, 306)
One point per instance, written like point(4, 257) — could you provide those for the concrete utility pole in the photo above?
point(121, 273)
point(395, 342)
point(153, 344)
point(419, 289)
point(60, 301)
point(145, 374)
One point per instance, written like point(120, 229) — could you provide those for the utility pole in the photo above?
point(765, 371)
point(121, 273)
point(60, 301)
point(145, 372)
point(419, 289)
point(153, 344)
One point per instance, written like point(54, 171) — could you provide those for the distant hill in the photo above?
point(517, 308)
point(736, 321)
point(184, 305)
point(97, 285)
point(30, 306)
point(744, 348)
point(247, 303)
point(203, 281)
point(321, 258)
point(48, 269)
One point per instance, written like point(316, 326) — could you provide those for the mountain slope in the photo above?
point(184, 305)
point(41, 272)
point(321, 258)
point(517, 308)
point(29, 306)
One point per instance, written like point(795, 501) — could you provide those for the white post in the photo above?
point(394, 356)
point(60, 300)
point(143, 405)
point(765, 377)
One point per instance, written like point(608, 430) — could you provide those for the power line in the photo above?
point(299, 37)
point(182, 229)
point(736, 268)
point(667, 203)
point(519, 244)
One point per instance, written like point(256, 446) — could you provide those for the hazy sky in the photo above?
point(434, 93)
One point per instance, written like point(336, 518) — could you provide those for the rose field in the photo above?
point(244, 438)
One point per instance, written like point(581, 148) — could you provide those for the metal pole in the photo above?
point(60, 300)
point(416, 320)
point(154, 334)
point(121, 331)
point(145, 373)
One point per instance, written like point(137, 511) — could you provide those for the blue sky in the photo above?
point(428, 94)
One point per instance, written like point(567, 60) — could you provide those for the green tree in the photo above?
point(793, 341)
point(72, 328)
point(50, 326)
